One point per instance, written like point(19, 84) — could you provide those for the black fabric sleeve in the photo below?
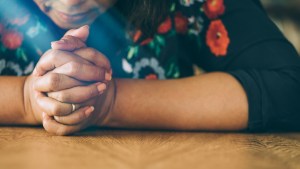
point(263, 61)
point(273, 97)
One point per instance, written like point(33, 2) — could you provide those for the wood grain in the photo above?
point(22, 148)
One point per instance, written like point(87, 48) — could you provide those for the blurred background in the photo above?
point(286, 14)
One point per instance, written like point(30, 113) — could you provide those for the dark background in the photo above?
point(286, 14)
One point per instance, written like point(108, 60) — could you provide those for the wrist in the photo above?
point(109, 102)
point(29, 116)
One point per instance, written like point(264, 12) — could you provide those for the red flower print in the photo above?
point(12, 39)
point(146, 41)
point(151, 77)
point(217, 38)
point(137, 36)
point(165, 27)
point(181, 23)
point(214, 8)
point(1, 28)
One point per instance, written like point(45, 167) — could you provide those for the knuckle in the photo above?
point(74, 67)
point(72, 40)
point(61, 96)
point(54, 81)
point(92, 52)
point(55, 110)
point(52, 54)
point(105, 60)
point(107, 63)
point(92, 91)
point(46, 54)
point(68, 37)
point(77, 42)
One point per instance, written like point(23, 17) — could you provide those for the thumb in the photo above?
point(72, 40)
point(82, 33)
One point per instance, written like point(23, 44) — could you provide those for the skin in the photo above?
point(212, 101)
point(30, 103)
point(70, 14)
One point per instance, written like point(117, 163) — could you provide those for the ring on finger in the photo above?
point(74, 107)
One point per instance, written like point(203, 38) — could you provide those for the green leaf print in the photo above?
point(170, 70)
point(133, 51)
point(157, 51)
point(157, 44)
point(173, 7)
point(21, 54)
point(160, 40)
point(171, 33)
point(152, 44)
point(173, 71)
point(177, 72)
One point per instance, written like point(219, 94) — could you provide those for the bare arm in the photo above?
point(18, 99)
point(214, 101)
point(12, 109)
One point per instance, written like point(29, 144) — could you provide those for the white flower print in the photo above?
point(2, 65)
point(186, 3)
point(35, 30)
point(29, 68)
point(197, 23)
point(148, 63)
point(15, 67)
point(126, 66)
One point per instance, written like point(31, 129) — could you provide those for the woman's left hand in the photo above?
point(94, 113)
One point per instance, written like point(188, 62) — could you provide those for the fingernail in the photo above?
point(89, 111)
point(86, 26)
point(108, 76)
point(101, 87)
point(62, 41)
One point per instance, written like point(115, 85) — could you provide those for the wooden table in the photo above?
point(31, 148)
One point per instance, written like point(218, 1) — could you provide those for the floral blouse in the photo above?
point(26, 35)
point(235, 37)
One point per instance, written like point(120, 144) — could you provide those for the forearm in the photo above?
point(213, 101)
point(12, 109)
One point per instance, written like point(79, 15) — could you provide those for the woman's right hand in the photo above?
point(71, 72)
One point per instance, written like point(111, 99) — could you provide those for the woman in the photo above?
point(251, 80)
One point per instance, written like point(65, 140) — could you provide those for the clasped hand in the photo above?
point(70, 76)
